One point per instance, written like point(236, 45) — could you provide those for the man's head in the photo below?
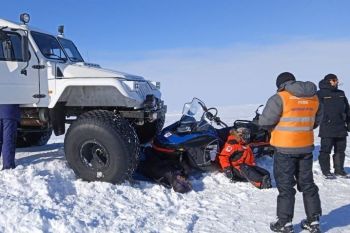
point(283, 78)
point(332, 79)
point(243, 133)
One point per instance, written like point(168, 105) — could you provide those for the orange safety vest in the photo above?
point(295, 128)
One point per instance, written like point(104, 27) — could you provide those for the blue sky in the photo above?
point(141, 25)
point(234, 43)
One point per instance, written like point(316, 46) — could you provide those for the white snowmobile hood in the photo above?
point(86, 70)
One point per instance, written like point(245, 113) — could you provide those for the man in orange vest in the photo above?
point(291, 115)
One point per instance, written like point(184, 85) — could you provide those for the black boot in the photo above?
point(338, 163)
point(282, 226)
point(266, 182)
point(312, 225)
point(329, 176)
point(342, 174)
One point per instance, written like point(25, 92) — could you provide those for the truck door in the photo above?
point(19, 82)
point(52, 57)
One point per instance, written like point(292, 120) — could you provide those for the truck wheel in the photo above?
point(102, 146)
point(148, 130)
point(27, 139)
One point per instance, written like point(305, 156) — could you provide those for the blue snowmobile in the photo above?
point(194, 139)
point(194, 142)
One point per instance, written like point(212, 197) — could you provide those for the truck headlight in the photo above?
point(132, 85)
point(154, 85)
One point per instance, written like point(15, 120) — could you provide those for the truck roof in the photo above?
point(10, 24)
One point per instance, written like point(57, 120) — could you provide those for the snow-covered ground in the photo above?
point(43, 195)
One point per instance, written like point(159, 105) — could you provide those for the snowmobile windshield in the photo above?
point(194, 109)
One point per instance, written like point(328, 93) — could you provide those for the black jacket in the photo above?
point(336, 111)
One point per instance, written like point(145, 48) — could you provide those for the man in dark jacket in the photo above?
point(334, 126)
point(292, 114)
point(9, 118)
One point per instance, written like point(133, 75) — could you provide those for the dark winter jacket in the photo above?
point(336, 111)
point(10, 111)
point(274, 107)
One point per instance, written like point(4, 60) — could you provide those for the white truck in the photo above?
point(109, 112)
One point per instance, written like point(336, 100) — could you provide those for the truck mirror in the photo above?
point(25, 48)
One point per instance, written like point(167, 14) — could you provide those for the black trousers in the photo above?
point(327, 144)
point(8, 137)
point(253, 173)
point(291, 170)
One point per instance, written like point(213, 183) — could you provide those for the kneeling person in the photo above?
point(238, 163)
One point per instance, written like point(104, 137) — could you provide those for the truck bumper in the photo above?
point(150, 112)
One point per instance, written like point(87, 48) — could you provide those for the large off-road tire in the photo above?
point(102, 146)
point(27, 139)
point(148, 130)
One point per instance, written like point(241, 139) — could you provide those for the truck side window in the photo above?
point(11, 50)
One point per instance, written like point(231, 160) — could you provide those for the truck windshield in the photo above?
point(49, 46)
point(71, 50)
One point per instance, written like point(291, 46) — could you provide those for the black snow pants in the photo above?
point(252, 174)
point(167, 172)
point(327, 144)
point(291, 170)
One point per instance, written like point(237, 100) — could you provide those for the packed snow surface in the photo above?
point(43, 195)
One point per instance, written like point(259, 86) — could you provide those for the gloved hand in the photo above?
point(228, 172)
point(348, 127)
point(180, 184)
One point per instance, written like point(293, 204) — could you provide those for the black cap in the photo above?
point(284, 77)
point(330, 77)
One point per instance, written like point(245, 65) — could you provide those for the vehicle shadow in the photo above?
point(46, 147)
point(41, 157)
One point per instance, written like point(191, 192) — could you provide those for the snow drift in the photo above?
point(43, 195)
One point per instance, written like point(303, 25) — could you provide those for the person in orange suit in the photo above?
point(237, 160)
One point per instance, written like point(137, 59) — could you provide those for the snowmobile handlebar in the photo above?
point(257, 115)
point(213, 116)
point(218, 121)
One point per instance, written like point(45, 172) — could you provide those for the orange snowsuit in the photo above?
point(238, 163)
point(233, 149)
